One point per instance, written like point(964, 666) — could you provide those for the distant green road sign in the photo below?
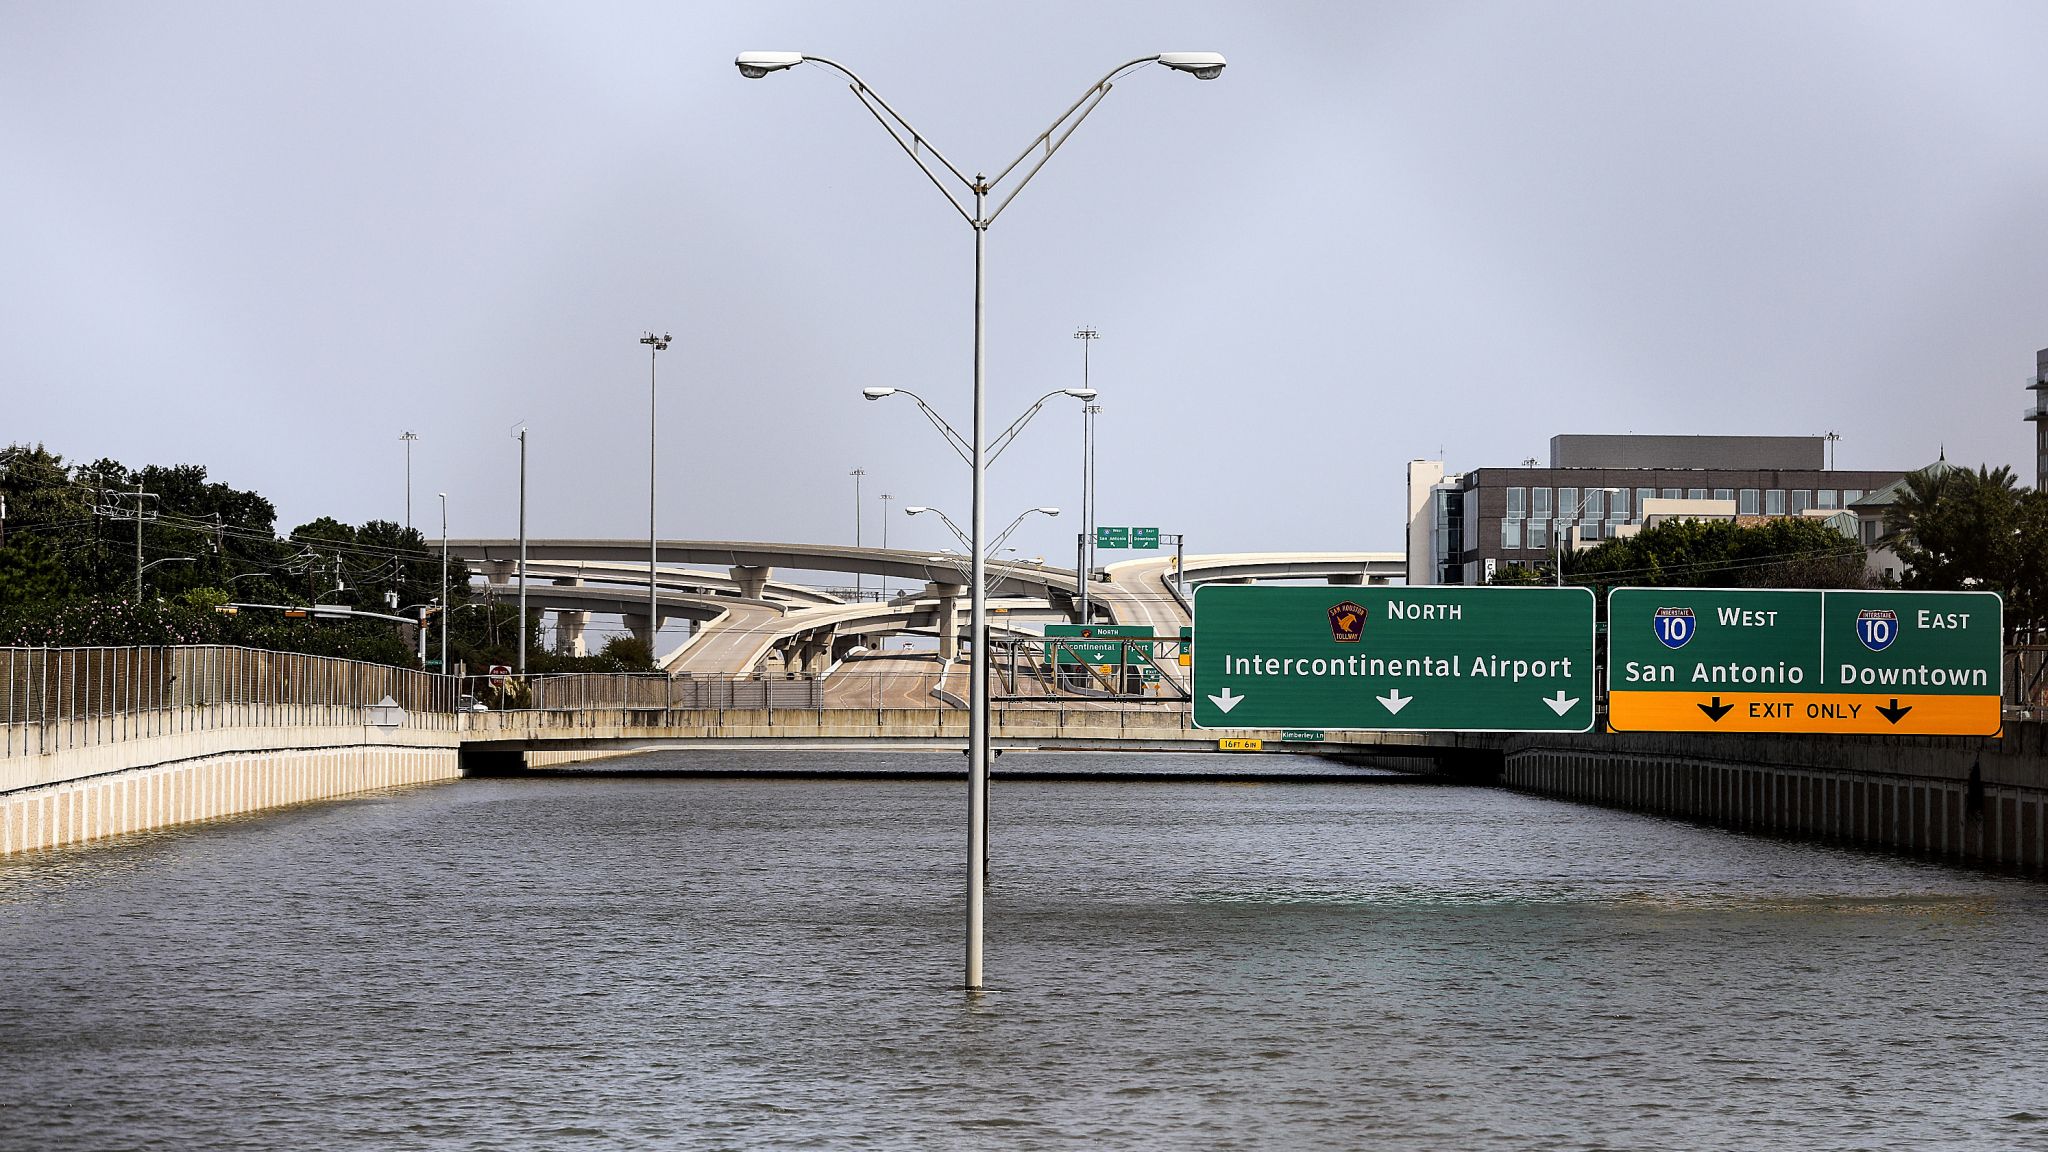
point(1144, 537)
point(1804, 660)
point(1112, 537)
point(1098, 644)
point(1442, 659)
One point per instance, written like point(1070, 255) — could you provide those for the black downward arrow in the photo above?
point(1894, 712)
point(1716, 710)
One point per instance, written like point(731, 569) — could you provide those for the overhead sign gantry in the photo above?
point(1420, 659)
point(1802, 660)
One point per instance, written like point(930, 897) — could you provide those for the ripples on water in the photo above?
point(675, 963)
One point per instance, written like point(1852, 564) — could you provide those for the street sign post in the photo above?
point(1442, 659)
point(1804, 660)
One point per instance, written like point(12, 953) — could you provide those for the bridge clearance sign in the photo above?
point(1802, 660)
point(1422, 659)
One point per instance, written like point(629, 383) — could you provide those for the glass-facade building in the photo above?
point(1490, 517)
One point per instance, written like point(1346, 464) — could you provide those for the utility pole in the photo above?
point(105, 504)
point(1831, 437)
point(408, 438)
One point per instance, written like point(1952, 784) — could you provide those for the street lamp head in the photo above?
point(1200, 65)
point(754, 65)
point(877, 393)
point(914, 509)
point(658, 343)
point(1082, 394)
point(1047, 511)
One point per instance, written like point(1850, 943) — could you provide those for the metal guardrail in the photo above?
point(52, 699)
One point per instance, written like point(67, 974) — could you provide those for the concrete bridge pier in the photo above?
point(1349, 578)
point(636, 623)
point(813, 655)
point(569, 625)
point(948, 596)
point(753, 581)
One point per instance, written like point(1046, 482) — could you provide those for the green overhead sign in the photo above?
point(1126, 537)
point(1804, 660)
point(1442, 659)
point(1097, 644)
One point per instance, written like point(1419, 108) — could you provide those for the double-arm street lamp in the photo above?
point(969, 196)
point(1003, 439)
point(995, 546)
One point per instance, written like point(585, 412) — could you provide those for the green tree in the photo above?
point(1780, 552)
point(1517, 574)
point(1957, 529)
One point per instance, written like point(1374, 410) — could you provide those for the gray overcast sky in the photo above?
point(266, 238)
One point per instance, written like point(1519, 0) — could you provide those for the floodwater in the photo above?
point(760, 963)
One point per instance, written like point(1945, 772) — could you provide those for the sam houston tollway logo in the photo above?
point(1347, 622)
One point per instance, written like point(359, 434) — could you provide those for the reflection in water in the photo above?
point(661, 963)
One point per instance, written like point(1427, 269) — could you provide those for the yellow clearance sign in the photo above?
point(1239, 744)
point(1799, 660)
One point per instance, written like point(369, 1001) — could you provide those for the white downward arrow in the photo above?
point(1393, 701)
point(1560, 703)
point(1226, 701)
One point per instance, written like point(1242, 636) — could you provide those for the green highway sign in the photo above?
point(1112, 537)
point(1804, 660)
point(1144, 537)
point(1303, 735)
point(1098, 644)
point(1434, 659)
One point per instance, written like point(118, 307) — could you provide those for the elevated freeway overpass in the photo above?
point(746, 615)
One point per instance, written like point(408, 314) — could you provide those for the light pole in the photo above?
point(1088, 414)
point(1085, 561)
point(1003, 439)
point(1203, 65)
point(655, 346)
point(152, 564)
point(444, 583)
point(857, 473)
point(408, 438)
point(1558, 530)
point(885, 538)
point(522, 551)
point(995, 546)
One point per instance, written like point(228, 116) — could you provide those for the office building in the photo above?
point(2038, 415)
point(1463, 527)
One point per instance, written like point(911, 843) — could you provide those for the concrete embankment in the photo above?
point(91, 794)
point(1977, 801)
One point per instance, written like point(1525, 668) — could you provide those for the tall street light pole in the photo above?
point(1203, 65)
point(857, 473)
point(522, 552)
point(1086, 562)
point(655, 346)
point(408, 438)
point(444, 582)
point(885, 538)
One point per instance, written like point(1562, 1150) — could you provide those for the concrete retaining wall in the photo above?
point(1977, 801)
point(208, 788)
